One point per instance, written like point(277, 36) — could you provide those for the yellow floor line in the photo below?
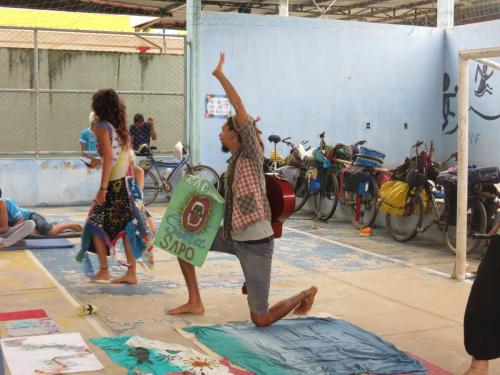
point(100, 329)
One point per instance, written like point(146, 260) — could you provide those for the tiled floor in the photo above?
point(401, 292)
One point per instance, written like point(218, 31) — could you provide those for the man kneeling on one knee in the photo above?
point(247, 231)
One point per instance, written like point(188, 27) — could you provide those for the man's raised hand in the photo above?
point(218, 68)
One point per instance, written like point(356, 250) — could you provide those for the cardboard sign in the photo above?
point(191, 220)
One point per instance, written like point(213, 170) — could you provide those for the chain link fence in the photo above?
point(49, 77)
point(471, 11)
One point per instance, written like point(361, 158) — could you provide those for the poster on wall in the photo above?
point(49, 354)
point(217, 106)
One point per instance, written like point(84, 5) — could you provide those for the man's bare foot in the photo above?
point(307, 302)
point(126, 279)
point(102, 275)
point(188, 308)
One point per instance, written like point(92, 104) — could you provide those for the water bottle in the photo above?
point(86, 309)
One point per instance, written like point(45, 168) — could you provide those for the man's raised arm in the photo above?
point(232, 94)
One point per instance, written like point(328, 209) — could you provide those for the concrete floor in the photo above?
point(401, 292)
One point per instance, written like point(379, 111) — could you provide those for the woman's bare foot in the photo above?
point(307, 302)
point(478, 367)
point(102, 275)
point(20, 243)
point(130, 279)
point(188, 308)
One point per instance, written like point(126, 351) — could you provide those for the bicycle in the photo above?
point(156, 183)
point(356, 187)
point(420, 191)
point(297, 171)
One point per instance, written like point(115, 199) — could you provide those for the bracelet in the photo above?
point(103, 189)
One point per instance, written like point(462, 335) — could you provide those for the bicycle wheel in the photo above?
point(151, 188)
point(363, 208)
point(302, 193)
point(326, 199)
point(404, 228)
point(477, 220)
point(207, 173)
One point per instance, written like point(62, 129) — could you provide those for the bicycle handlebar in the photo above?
point(360, 143)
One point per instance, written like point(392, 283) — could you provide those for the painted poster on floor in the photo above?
point(49, 354)
point(31, 327)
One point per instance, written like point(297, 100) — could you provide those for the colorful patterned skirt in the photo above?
point(122, 214)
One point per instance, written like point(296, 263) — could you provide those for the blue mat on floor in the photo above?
point(49, 243)
point(306, 346)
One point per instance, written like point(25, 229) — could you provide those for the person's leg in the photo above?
point(58, 228)
point(45, 228)
point(477, 367)
point(194, 304)
point(139, 176)
point(151, 223)
point(102, 254)
point(131, 276)
point(304, 301)
point(17, 233)
point(256, 260)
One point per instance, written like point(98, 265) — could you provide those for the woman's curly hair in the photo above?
point(108, 106)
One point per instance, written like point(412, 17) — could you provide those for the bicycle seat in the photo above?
point(143, 149)
point(274, 138)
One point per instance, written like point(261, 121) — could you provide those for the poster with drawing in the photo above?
point(63, 353)
point(191, 220)
point(217, 106)
point(31, 327)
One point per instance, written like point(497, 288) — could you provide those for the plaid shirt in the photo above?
point(246, 199)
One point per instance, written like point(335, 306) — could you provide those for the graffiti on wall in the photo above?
point(482, 88)
point(447, 96)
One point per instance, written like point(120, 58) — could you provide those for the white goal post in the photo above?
point(480, 55)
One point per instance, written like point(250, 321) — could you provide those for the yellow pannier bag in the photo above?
point(393, 197)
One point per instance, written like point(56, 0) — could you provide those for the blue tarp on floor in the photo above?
point(306, 346)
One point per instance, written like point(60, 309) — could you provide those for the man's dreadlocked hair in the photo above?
point(230, 124)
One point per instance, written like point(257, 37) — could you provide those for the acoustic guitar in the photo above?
point(281, 199)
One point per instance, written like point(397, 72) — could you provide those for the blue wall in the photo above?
point(48, 182)
point(305, 76)
point(484, 134)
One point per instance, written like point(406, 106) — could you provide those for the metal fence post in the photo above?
point(37, 85)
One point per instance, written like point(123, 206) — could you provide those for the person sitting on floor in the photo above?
point(12, 235)
point(17, 215)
